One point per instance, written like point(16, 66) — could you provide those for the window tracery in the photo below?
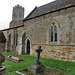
point(53, 31)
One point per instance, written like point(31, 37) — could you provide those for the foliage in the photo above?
point(68, 67)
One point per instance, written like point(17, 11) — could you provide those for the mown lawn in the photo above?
point(68, 67)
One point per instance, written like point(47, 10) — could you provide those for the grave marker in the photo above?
point(14, 58)
point(36, 66)
point(38, 55)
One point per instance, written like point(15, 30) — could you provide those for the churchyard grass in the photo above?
point(66, 66)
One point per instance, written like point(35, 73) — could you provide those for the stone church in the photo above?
point(51, 26)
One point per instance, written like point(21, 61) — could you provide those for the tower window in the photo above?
point(20, 15)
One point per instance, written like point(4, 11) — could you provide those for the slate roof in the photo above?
point(12, 28)
point(52, 6)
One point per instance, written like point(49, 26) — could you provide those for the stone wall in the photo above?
point(2, 47)
point(9, 35)
point(38, 29)
point(16, 23)
point(61, 52)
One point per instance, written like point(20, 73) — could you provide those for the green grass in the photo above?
point(68, 67)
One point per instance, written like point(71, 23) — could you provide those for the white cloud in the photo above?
point(6, 7)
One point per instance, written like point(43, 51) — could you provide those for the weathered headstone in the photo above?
point(36, 66)
point(14, 58)
point(2, 59)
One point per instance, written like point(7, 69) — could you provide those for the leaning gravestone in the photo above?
point(2, 68)
point(36, 66)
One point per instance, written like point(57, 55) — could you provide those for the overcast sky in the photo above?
point(6, 7)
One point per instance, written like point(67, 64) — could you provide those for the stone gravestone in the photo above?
point(2, 59)
point(14, 58)
point(36, 66)
point(38, 55)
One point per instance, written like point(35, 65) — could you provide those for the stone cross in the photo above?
point(38, 55)
point(36, 66)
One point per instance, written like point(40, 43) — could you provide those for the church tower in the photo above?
point(17, 16)
point(18, 13)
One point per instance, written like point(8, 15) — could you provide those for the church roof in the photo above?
point(50, 7)
point(12, 28)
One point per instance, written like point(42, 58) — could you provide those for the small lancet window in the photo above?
point(16, 37)
point(20, 15)
point(51, 33)
point(55, 33)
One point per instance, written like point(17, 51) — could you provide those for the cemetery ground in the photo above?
point(66, 67)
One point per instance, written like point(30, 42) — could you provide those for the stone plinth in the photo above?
point(35, 68)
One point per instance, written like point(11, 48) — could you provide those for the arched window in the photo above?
point(20, 15)
point(16, 37)
point(28, 46)
point(53, 31)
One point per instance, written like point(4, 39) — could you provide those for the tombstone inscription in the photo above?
point(36, 66)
